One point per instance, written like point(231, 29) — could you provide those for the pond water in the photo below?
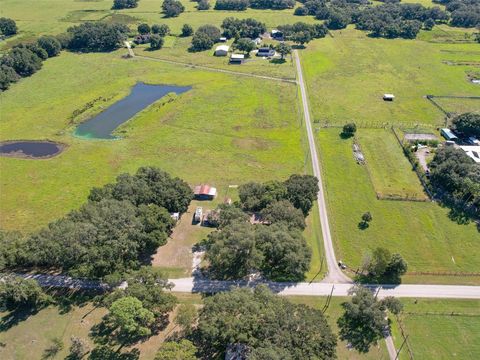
point(30, 149)
point(141, 96)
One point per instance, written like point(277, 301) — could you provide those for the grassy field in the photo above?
point(226, 130)
point(435, 334)
point(35, 333)
point(389, 169)
point(347, 74)
point(420, 231)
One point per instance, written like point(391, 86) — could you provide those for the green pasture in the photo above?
point(439, 329)
point(421, 232)
point(226, 130)
point(389, 170)
point(347, 75)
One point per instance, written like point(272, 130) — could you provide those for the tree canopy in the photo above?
point(96, 36)
point(205, 37)
point(456, 178)
point(181, 350)
point(364, 322)
point(242, 28)
point(467, 123)
point(124, 4)
point(8, 26)
point(384, 267)
point(172, 8)
point(241, 248)
point(19, 293)
point(264, 323)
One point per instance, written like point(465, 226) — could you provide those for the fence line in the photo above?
point(405, 338)
point(414, 166)
point(443, 273)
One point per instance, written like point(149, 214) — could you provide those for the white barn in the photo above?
point(221, 50)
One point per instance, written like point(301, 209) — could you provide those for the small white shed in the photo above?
point(388, 97)
point(221, 50)
point(237, 58)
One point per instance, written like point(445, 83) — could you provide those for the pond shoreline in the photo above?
point(56, 147)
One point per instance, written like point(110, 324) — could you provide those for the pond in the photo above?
point(142, 95)
point(30, 149)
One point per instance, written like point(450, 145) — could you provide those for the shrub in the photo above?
point(156, 42)
point(124, 4)
point(187, 30)
point(8, 26)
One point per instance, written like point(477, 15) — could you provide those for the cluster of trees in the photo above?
point(467, 124)
point(24, 60)
point(398, 20)
point(140, 309)
point(384, 267)
point(302, 33)
point(232, 5)
point(17, 293)
point(8, 26)
point(124, 4)
point(276, 247)
point(463, 13)
point(205, 37)
point(241, 5)
point(262, 325)
point(172, 8)
point(363, 322)
point(389, 20)
point(96, 36)
point(300, 190)
point(156, 34)
point(121, 223)
point(242, 28)
point(456, 178)
point(278, 251)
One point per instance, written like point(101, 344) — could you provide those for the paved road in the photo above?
point(324, 289)
point(334, 275)
point(207, 68)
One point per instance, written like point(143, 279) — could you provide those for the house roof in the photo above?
point(222, 48)
point(448, 134)
point(473, 152)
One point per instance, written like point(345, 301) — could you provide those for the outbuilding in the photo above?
point(221, 50)
point(388, 97)
point(197, 217)
point(204, 192)
point(448, 134)
point(223, 39)
point(472, 152)
point(237, 58)
point(266, 52)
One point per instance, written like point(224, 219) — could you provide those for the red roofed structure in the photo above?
point(204, 192)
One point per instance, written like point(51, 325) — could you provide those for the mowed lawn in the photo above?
point(347, 75)
point(389, 169)
point(226, 130)
point(420, 231)
point(435, 334)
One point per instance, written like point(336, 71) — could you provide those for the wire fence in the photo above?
point(405, 338)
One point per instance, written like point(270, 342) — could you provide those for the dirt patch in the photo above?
point(252, 143)
point(31, 149)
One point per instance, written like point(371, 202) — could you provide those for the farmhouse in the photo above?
point(473, 152)
point(237, 58)
point(266, 51)
point(221, 50)
point(388, 97)
point(204, 192)
point(448, 134)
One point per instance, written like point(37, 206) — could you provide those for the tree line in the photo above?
point(120, 224)
point(241, 5)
